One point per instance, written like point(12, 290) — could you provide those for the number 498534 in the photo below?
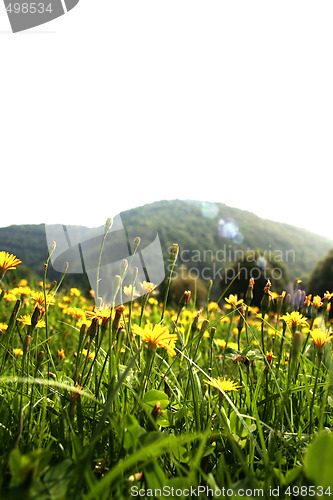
point(29, 8)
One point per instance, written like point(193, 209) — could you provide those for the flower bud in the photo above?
point(108, 225)
point(173, 253)
point(52, 286)
point(26, 344)
point(194, 326)
point(185, 298)
point(36, 316)
point(212, 332)
point(92, 330)
point(40, 359)
point(136, 242)
point(52, 248)
point(265, 301)
point(249, 293)
point(115, 325)
point(204, 326)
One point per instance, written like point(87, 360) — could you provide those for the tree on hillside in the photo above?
point(259, 265)
point(182, 281)
point(321, 278)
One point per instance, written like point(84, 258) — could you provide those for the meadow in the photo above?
point(150, 399)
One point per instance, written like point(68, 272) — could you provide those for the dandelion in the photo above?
point(213, 306)
point(100, 314)
point(294, 320)
point(26, 320)
point(320, 338)
point(21, 290)
point(130, 291)
point(232, 300)
point(39, 298)
point(75, 312)
point(316, 302)
point(18, 352)
point(269, 358)
point(307, 301)
point(222, 343)
point(91, 354)
point(157, 336)
point(222, 384)
point(61, 353)
point(8, 261)
point(147, 287)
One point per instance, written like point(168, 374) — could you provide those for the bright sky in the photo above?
point(121, 103)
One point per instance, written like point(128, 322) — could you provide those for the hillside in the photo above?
point(207, 245)
point(190, 224)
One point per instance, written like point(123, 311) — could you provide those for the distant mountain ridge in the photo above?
point(204, 231)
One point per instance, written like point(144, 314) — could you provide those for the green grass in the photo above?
point(90, 410)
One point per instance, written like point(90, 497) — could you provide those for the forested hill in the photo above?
point(204, 231)
point(198, 226)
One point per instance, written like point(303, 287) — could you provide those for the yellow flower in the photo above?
point(61, 353)
point(212, 306)
point(91, 354)
point(233, 300)
point(295, 319)
point(75, 312)
point(75, 291)
point(307, 300)
point(8, 261)
point(269, 357)
point(147, 287)
point(39, 298)
point(320, 338)
point(222, 343)
point(222, 384)
point(100, 314)
point(10, 297)
point(3, 326)
point(18, 352)
point(21, 290)
point(157, 336)
point(128, 291)
point(26, 320)
point(316, 303)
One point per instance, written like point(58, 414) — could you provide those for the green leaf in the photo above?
point(23, 467)
point(154, 476)
point(330, 401)
point(153, 396)
point(318, 460)
point(58, 478)
point(292, 474)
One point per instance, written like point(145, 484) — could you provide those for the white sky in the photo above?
point(122, 103)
